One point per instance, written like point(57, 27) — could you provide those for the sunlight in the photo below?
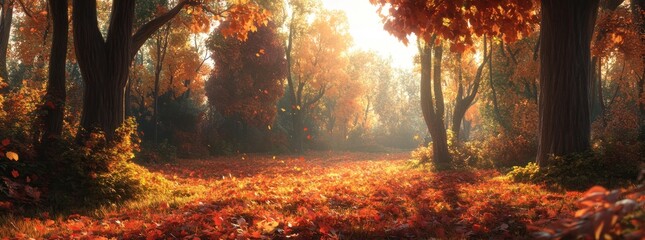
point(366, 28)
point(321, 119)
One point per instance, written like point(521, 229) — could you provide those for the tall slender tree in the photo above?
point(432, 102)
point(56, 94)
point(466, 93)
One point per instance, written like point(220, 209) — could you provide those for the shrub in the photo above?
point(528, 173)
point(422, 157)
point(464, 155)
point(506, 151)
point(580, 171)
point(99, 172)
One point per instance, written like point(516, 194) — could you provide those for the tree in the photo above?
point(6, 17)
point(105, 63)
point(160, 49)
point(455, 22)
point(248, 77)
point(315, 58)
point(6, 20)
point(466, 93)
point(432, 102)
point(566, 31)
point(56, 93)
point(638, 11)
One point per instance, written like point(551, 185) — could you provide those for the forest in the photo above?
point(322, 119)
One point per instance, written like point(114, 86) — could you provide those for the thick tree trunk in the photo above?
point(105, 63)
point(433, 109)
point(6, 19)
point(567, 28)
point(638, 11)
point(56, 94)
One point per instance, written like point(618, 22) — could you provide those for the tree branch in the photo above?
point(145, 31)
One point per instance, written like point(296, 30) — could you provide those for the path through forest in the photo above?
point(320, 195)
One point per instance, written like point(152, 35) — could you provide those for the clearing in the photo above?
point(318, 195)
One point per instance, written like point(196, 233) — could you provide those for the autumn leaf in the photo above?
point(12, 156)
point(5, 142)
point(15, 173)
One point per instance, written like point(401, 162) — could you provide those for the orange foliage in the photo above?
point(347, 195)
point(458, 21)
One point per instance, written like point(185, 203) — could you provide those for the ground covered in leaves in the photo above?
point(318, 195)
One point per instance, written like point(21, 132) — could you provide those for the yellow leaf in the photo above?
point(599, 229)
point(12, 156)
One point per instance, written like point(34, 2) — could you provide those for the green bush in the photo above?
point(99, 172)
point(464, 155)
point(528, 173)
point(582, 170)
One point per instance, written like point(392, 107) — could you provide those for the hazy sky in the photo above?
point(367, 30)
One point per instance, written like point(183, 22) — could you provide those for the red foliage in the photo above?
point(457, 21)
point(357, 196)
point(603, 214)
point(247, 79)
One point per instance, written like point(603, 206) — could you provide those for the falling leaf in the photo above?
point(15, 173)
point(6, 142)
point(12, 156)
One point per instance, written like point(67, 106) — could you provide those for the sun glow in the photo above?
point(367, 30)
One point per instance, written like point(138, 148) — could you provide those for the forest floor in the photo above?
point(319, 195)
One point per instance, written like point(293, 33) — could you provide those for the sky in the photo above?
point(367, 30)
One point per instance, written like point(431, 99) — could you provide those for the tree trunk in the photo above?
point(5, 30)
point(297, 119)
point(56, 94)
point(433, 109)
point(567, 28)
point(105, 63)
point(498, 114)
point(161, 48)
point(638, 11)
point(463, 103)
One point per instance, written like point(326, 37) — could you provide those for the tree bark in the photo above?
point(564, 125)
point(433, 109)
point(6, 19)
point(638, 12)
point(105, 63)
point(56, 94)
